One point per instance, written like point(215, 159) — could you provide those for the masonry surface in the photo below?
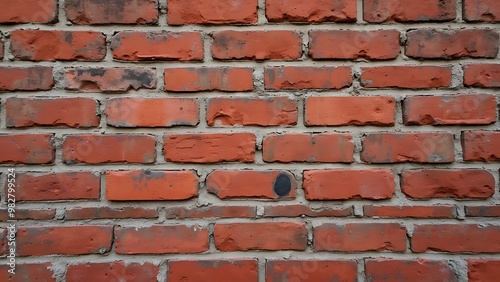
point(251, 140)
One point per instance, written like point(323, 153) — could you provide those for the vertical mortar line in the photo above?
point(207, 44)
point(162, 270)
point(261, 12)
point(460, 10)
point(109, 52)
point(359, 10)
point(162, 12)
point(361, 270)
point(262, 268)
point(61, 14)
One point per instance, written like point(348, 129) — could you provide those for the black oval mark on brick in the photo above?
point(282, 185)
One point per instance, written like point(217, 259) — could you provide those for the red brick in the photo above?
point(306, 210)
point(481, 146)
point(118, 148)
point(267, 236)
point(482, 211)
point(52, 45)
point(4, 248)
point(313, 148)
point(152, 112)
point(311, 270)
point(456, 109)
point(213, 270)
point(256, 45)
point(409, 211)
point(112, 12)
point(27, 148)
point(115, 271)
point(311, 11)
point(59, 186)
point(452, 44)
point(161, 239)
point(293, 78)
point(360, 237)
point(23, 214)
point(271, 111)
point(409, 11)
point(482, 10)
point(71, 112)
point(210, 147)
point(458, 184)
point(335, 111)
point(264, 184)
point(40, 241)
point(211, 12)
point(142, 185)
point(109, 79)
point(161, 46)
point(409, 270)
point(481, 270)
point(456, 238)
point(211, 212)
point(27, 79)
point(482, 75)
point(350, 44)
point(348, 184)
point(29, 11)
point(28, 272)
point(422, 147)
point(407, 77)
point(109, 213)
point(208, 79)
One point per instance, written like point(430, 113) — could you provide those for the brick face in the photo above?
point(250, 140)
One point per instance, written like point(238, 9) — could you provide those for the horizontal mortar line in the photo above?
point(293, 26)
point(239, 166)
point(267, 255)
point(251, 63)
point(144, 223)
point(293, 94)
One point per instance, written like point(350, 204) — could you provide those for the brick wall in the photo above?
point(251, 140)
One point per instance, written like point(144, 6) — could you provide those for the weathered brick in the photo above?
point(422, 147)
point(141, 185)
point(350, 44)
point(210, 147)
point(52, 45)
point(161, 239)
point(112, 11)
point(272, 111)
point(27, 148)
point(312, 148)
point(211, 12)
point(59, 186)
point(459, 184)
point(269, 184)
point(152, 112)
point(71, 112)
point(375, 11)
point(26, 79)
point(452, 44)
point(208, 79)
point(311, 11)
point(109, 79)
point(348, 184)
point(336, 111)
point(161, 46)
point(452, 109)
point(295, 78)
point(256, 45)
